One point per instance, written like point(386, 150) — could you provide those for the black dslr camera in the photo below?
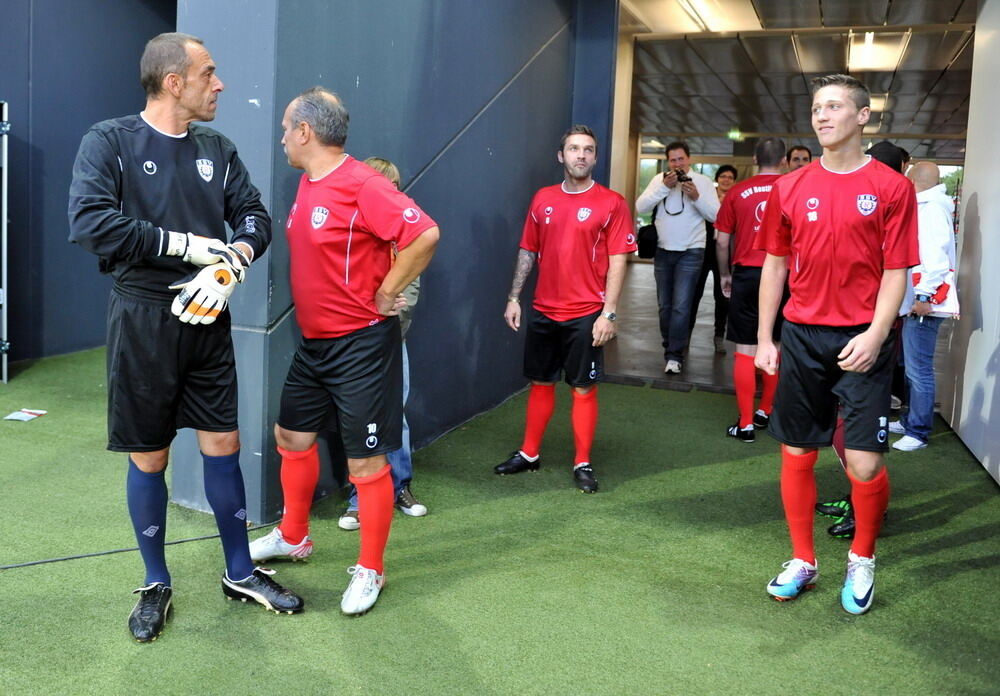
point(681, 176)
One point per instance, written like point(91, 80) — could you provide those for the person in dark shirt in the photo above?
point(151, 196)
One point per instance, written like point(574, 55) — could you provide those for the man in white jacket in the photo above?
point(681, 201)
point(931, 297)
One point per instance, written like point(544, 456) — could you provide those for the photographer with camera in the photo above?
point(683, 201)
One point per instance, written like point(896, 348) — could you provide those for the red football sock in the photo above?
point(375, 504)
point(767, 394)
point(745, 381)
point(541, 403)
point(299, 474)
point(584, 417)
point(798, 495)
point(870, 500)
point(838, 442)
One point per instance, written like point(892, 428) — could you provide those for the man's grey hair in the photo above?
point(164, 54)
point(325, 114)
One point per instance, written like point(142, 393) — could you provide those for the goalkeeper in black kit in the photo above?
point(151, 196)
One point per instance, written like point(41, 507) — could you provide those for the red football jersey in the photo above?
point(573, 235)
point(341, 232)
point(839, 232)
point(741, 213)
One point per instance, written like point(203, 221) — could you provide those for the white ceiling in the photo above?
point(705, 67)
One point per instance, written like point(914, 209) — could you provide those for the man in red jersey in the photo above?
point(843, 231)
point(341, 230)
point(581, 233)
point(740, 216)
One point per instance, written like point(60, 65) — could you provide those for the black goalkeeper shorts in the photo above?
point(164, 375)
point(552, 348)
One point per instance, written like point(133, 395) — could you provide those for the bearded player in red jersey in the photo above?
point(739, 217)
point(345, 222)
point(581, 234)
point(843, 231)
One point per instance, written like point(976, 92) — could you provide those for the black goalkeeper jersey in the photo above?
point(132, 184)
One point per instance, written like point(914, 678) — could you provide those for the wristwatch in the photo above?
point(923, 298)
point(610, 316)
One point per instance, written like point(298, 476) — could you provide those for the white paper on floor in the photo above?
point(26, 414)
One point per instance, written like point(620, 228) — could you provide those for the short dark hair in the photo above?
point(793, 148)
point(726, 168)
point(679, 145)
point(888, 154)
point(578, 129)
point(325, 114)
point(164, 54)
point(859, 93)
point(769, 152)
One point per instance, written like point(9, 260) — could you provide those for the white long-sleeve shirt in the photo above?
point(936, 235)
point(680, 222)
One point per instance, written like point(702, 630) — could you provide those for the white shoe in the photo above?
point(859, 584)
point(349, 521)
point(673, 368)
point(896, 428)
point(907, 443)
point(363, 590)
point(273, 545)
point(409, 505)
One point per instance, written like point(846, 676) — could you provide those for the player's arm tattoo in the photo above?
point(525, 262)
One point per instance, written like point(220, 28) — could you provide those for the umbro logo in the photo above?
point(150, 531)
point(241, 514)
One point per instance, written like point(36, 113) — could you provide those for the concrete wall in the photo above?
point(969, 388)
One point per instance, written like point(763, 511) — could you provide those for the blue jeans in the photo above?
point(399, 460)
point(676, 274)
point(919, 339)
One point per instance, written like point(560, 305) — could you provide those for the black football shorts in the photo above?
point(164, 375)
point(811, 386)
point(358, 380)
point(555, 347)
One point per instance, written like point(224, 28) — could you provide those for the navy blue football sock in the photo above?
point(225, 493)
point(147, 506)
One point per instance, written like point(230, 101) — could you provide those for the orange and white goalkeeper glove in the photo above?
point(204, 296)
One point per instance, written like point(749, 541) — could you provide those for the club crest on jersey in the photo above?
point(319, 216)
point(206, 168)
point(867, 203)
point(582, 214)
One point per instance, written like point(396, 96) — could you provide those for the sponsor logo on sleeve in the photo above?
point(411, 215)
point(205, 168)
point(630, 239)
point(319, 216)
point(867, 203)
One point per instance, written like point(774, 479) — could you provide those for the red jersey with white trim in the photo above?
point(573, 235)
point(740, 215)
point(839, 232)
point(341, 233)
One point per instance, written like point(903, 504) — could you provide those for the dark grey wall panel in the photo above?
point(595, 34)
point(66, 64)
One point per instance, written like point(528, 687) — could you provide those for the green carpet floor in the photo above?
point(517, 585)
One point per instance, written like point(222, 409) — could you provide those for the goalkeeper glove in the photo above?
point(201, 251)
point(204, 296)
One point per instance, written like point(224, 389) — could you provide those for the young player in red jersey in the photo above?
point(842, 230)
point(581, 233)
point(341, 231)
point(740, 217)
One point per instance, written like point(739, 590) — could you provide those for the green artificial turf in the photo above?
point(514, 585)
